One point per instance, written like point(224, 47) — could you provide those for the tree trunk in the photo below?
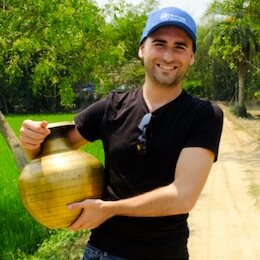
point(13, 142)
point(4, 104)
point(242, 69)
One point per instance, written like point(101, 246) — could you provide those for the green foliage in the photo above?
point(60, 245)
point(257, 95)
point(67, 93)
point(47, 48)
point(235, 37)
point(235, 32)
point(209, 77)
point(122, 33)
point(50, 46)
point(194, 87)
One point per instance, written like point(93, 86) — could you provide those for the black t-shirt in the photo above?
point(183, 122)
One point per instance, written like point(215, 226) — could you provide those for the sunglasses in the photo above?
point(142, 142)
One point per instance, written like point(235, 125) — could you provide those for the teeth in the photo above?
point(166, 67)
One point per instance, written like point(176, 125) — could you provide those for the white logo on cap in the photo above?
point(172, 17)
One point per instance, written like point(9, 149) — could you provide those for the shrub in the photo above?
point(239, 111)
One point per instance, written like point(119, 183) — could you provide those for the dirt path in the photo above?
point(225, 223)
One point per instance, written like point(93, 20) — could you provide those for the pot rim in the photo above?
point(60, 124)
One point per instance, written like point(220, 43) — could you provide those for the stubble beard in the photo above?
point(164, 79)
point(157, 76)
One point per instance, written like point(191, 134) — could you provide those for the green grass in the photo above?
point(18, 229)
point(20, 235)
point(62, 244)
point(16, 120)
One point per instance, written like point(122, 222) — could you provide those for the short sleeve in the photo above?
point(89, 121)
point(206, 128)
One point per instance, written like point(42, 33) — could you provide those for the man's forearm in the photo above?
point(163, 201)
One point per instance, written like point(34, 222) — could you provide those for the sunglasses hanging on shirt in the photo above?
point(142, 139)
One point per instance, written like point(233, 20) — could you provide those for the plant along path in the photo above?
point(225, 222)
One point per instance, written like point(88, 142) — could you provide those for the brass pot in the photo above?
point(58, 177)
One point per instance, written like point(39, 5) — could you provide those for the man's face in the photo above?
point(167, 54)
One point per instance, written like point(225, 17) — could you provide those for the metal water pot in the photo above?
point(58, 177)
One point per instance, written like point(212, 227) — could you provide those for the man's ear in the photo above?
point(140, 51)
point(192, 59)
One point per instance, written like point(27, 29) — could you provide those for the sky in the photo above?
point(195, 8)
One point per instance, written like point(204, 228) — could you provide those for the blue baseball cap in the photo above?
point(170, 16)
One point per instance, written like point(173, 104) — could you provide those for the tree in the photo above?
point(235, 36)
point(122, 32)
point(48, 47)
point(13, 142)
point(209, 77)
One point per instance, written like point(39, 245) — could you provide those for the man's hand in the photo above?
point(32, 134)
point(95, 212)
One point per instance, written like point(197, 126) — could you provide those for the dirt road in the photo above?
point(225, 223)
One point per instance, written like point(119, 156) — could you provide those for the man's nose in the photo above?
point(168, 55)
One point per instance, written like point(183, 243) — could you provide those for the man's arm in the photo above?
point(179, 197)
point(33, 133)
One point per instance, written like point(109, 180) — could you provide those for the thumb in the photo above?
point(43, 124)
point(75, 205)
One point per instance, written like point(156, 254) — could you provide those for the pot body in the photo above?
point(58, 177)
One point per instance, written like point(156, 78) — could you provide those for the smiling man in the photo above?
point(159, 144)
point(167, 54)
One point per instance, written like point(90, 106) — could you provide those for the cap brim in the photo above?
point(170, 23)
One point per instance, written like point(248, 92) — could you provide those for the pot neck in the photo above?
point(55, 145)
point(56, 141)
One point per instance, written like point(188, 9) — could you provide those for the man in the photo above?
point(159, 143)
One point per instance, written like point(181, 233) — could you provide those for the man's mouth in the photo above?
point(166, 67)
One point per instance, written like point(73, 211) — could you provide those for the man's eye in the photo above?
point(180, 47)
point(158, 44)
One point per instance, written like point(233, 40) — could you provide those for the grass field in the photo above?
point(20, 235)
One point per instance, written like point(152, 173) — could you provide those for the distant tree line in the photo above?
point(50, 51)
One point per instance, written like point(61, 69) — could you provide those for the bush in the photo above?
point(62, 244)
point(239, 111)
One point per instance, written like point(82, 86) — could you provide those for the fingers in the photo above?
point(76, 205)
point(90, 217)
point(80, 222)
point(33, 133)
